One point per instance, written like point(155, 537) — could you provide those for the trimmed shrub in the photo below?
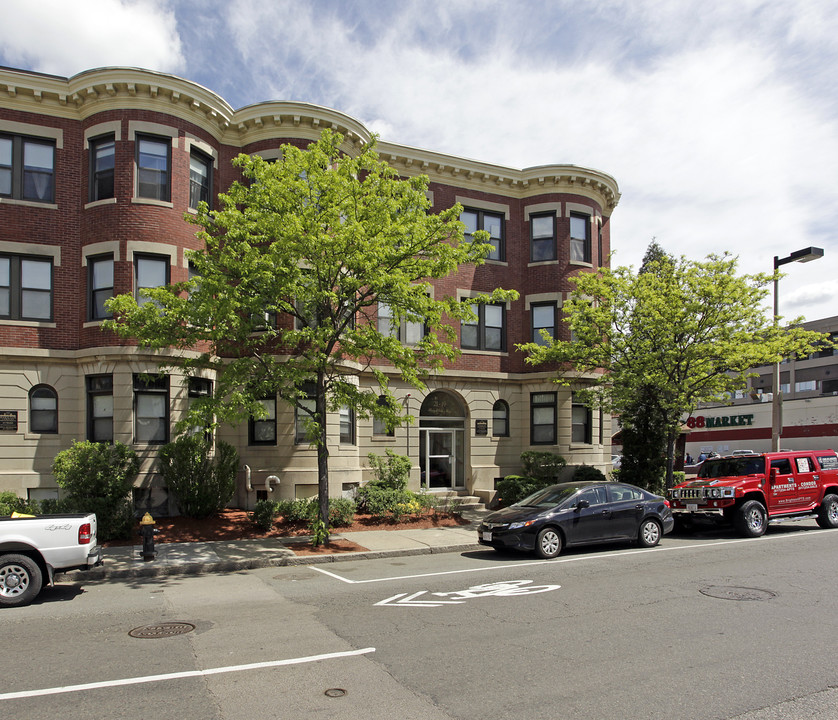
point(202, 482)
point(98, 478)
point(514, 488)
point(10, 502)
point(542, 465)
point(587, 473)
point(264, 513)
point(341, 512)
point(391, 471)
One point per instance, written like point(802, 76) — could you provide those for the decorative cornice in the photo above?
point(103, 89)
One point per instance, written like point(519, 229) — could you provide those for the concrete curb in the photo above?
point(282, 559)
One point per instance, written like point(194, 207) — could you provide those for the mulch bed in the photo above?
point(237, 525)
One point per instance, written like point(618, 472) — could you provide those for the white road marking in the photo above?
point(178, 675)
point(579, 558)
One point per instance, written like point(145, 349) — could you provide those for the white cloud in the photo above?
point(64, 38)
point(713, 133)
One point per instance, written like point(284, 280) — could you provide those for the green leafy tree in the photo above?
point(684, 331)
point(297, 260)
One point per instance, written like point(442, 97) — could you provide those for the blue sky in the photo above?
point(718, 119)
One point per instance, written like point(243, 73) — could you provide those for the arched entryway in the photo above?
point(442, 422)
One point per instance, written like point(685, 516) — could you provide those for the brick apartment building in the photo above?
point(96, 174)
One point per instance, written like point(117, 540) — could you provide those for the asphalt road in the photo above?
point(711, 627)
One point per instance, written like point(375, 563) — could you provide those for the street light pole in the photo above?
point(804, 255)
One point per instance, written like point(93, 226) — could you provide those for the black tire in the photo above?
point(828, 512)
point(548, 543)
point(751, 519)
point(20, 580)
point(649, 534)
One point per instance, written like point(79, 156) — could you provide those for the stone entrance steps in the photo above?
point(459, 499)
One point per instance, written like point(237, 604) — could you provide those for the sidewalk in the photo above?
point(228, 556)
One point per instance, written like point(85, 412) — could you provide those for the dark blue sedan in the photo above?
point(580, 513)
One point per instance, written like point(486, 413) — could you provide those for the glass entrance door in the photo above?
point(439, 467)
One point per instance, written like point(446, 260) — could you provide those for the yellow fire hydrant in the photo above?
point(148, 531)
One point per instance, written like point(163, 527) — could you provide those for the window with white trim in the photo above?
point(27, 168)
point(200, 178)
point(151, 409)
point(25, 287)
point(543, 318)
point(102, 154)
point(542, 237)
point(492, 223)
point(580, 237)
point(43, 409)
point(99, 408)
point(100, 286)
point(150, 271)
point(543, 418)
point(154, 156)
point(262, 431)
point(488, 332)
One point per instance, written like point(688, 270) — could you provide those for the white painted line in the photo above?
point(178, 675)
point(579, 558)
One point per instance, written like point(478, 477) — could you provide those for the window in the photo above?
point(500, 419)
point(580, 422)
point(150, 271)
point(489, 332)
point(151, 409)
point(807, 386)
point(593, 496)
point(543, 318)
point(25, 288)
point(100, 285)
point(408, 332)
point(198, 388)
point(347, 425)
point(200, 178)
point(491, 223)
point(27, 168)
point(543, 418)
point(43, 409)
point(102, 168)
point(580, 237)
point(153, 167)
point(99, 408)
point(302, 413)
point(262, 431)
point(542, 237)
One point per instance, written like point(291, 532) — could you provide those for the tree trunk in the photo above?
point(322, 453)
point(671, 438)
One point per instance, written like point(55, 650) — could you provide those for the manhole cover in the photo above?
point(162, 630)
point(736, 593)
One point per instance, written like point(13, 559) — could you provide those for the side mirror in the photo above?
point(772, 475)
point(582, 504)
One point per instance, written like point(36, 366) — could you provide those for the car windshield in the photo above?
point(549, 496)
point(732, 467)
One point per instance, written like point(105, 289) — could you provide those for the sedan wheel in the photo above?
point(548, 544)
point(649, 534)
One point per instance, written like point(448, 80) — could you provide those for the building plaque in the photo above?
point(8, 420)
point(481, 427)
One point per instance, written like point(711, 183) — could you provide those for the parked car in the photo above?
point(616, 461)
point(578, 513)
point(33, 549)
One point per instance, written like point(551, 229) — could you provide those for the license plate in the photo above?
point(487, 536)
point(692, 507)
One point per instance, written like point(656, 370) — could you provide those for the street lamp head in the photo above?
point(805, 255)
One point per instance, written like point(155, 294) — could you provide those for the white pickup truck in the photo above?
point(35, 548)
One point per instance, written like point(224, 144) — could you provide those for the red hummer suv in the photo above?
point(752, 491)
